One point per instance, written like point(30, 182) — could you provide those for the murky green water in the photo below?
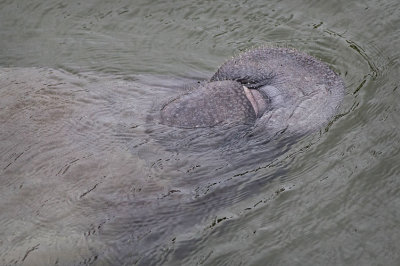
point(84, 179)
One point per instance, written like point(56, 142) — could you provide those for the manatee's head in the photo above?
point(215, 103)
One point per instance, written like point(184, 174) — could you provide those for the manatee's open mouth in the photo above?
point(258, 100)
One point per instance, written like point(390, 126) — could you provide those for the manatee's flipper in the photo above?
point(211, 104)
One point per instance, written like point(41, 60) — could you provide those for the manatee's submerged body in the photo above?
point(266, 88)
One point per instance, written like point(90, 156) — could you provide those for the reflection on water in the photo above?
point(85, 180)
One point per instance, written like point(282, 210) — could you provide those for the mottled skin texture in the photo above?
point(287, 90)
point(209, 105)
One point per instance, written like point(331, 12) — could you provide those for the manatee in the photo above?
point(265, 88)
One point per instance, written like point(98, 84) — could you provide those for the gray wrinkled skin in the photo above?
point(298, 93)
point(209, 105)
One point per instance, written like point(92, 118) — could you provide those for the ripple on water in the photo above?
point(85, 182)
point(53, 160)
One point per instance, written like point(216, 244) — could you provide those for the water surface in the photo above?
point(84, 178)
